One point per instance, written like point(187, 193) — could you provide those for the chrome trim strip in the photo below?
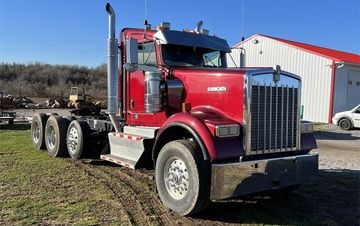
point(276, 114)
point(282, 117)
point(292, 118)
point(265, 113)
point(270, 117)
point(287, 118)
point(258, 118)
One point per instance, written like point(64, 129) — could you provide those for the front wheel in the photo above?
point(345, 124)
point(183, 177)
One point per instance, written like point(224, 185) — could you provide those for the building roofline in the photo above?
point(311, 49)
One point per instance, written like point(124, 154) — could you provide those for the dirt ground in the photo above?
point(333, 199)
point(312, 204)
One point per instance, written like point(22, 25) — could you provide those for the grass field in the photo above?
point(38, 189)
point(35, 188)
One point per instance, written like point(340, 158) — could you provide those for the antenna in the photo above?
point(242, 20)
point(145, 11)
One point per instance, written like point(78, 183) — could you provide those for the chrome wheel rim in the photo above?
point(176, 178)
point(72, 140)
point(51, 137)
point(36, 132)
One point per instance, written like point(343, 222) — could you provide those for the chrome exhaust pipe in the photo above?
point(112, 70)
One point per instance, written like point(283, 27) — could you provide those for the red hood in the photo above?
point(219, 88)
point(210, 71)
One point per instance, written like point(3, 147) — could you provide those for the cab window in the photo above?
point(146, 53)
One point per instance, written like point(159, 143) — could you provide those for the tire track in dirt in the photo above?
point(139, 181)
point(145, 197)
point(114, 189)
point(139, 187)
point(146, 207)
point(144, 176)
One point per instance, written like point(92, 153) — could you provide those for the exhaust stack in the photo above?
point(112, 70)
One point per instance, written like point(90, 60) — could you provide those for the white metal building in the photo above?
point(330, 78)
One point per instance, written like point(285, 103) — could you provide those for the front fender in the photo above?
point(199, 126)
point(193, 125)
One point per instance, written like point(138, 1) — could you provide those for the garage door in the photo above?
point(353, 90)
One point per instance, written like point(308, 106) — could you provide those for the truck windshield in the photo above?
point(188, 56)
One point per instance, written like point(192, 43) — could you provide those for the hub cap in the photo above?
point(36, 132)
point(344, 124)
point(72, 140)
point(176, 178)
point(51, 137)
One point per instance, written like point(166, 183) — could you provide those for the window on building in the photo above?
point(349, 83)
point(358, 83)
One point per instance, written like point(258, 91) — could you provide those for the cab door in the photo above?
point(136, 83)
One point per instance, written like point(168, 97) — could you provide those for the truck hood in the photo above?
point(211, 71)
point(220, 88)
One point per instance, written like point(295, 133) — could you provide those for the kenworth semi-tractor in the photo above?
point(208, 131)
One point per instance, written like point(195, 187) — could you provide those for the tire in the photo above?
point(185, 160)
point(38, 131)
point(55, 136)
point(345, 124)
point(77, 139)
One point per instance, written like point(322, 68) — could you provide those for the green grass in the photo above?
point(38, 189)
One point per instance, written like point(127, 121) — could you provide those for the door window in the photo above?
point(146, 53)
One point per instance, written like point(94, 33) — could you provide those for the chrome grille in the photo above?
point(274, 116)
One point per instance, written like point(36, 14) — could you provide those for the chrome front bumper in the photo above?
point(235, 179)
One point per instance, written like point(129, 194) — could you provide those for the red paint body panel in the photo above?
point(197, 126)
point(229, 102)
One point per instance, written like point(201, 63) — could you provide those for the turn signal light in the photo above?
point(307, 127)
point(229, 130)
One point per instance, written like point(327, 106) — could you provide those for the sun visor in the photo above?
point(192, 39)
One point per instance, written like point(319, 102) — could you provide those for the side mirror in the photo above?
point(131, 51)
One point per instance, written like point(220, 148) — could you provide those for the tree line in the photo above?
point(45, 80)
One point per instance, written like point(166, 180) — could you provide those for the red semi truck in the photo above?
point(209, 132)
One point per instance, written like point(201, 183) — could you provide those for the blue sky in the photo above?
point(75, 31)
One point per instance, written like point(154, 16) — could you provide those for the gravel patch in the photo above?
point(338, 149)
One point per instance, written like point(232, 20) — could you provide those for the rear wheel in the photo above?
point(55, 136)
point(37, 131)
point(183, 177)
point(77, 139)
point(345, 124)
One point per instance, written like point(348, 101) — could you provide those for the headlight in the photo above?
point(307, 127)
point(229, 130)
